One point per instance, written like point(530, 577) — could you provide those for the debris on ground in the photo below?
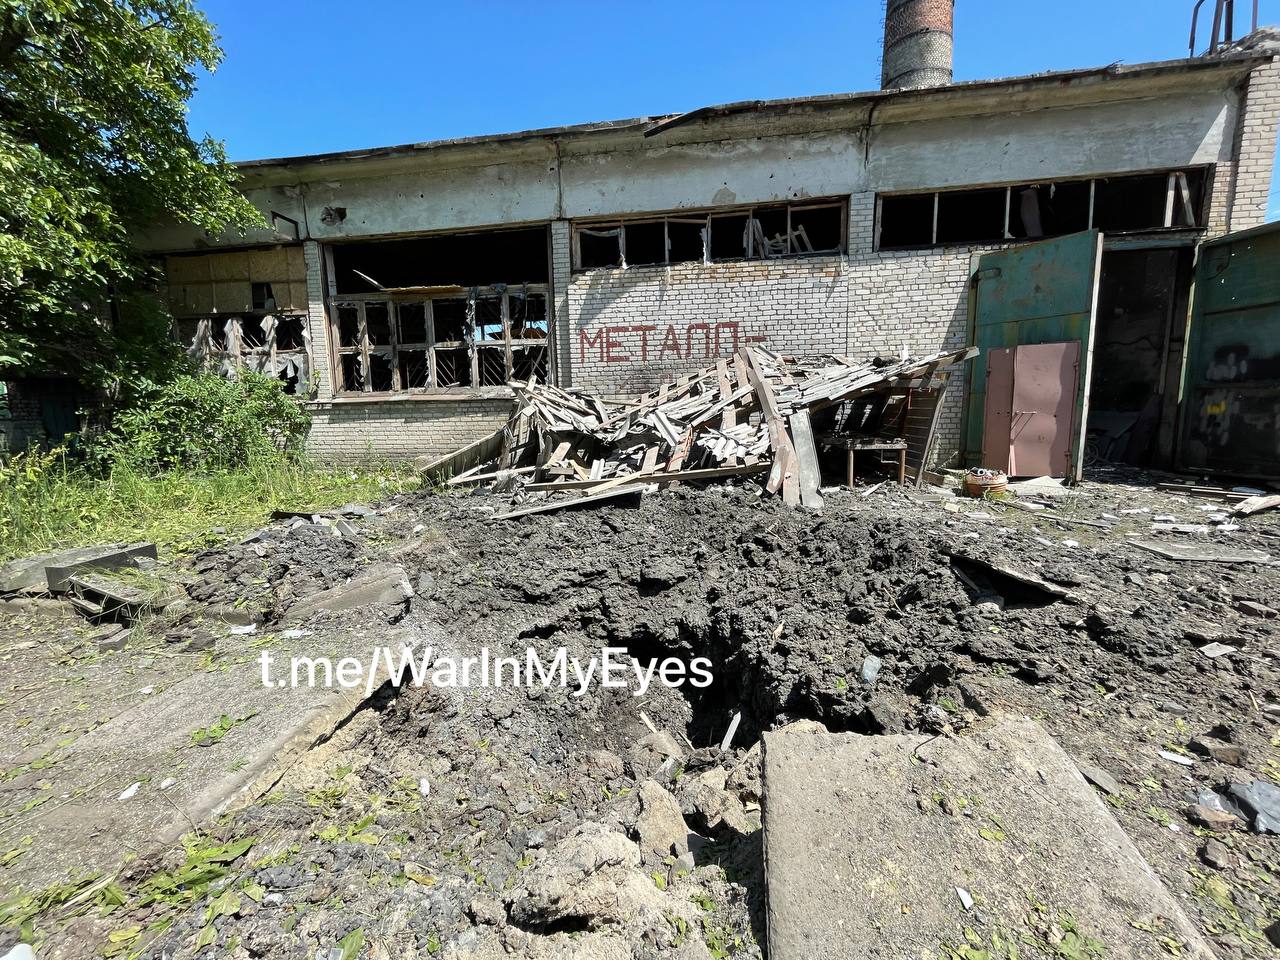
point(749, 415)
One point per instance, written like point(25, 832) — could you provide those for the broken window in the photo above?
point(971, 216)
point(600, 247)
point(485, 339)
point(754, 233)
point(907, 221)
point(1049, 209)
point(818, 229)
point(686, 239)
point(1158, 201)
point(463, 260)
point(646, 243)
point(243, 310)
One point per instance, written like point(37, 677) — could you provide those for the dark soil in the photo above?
point(787, 606)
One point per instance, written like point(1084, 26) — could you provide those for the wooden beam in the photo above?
point(632, 491)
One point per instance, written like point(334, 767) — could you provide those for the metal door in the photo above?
point(1044, 405)
point(997, 423)
point(1231, 372)
point(1045, 292)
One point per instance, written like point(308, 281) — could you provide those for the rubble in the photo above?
point(752, 415)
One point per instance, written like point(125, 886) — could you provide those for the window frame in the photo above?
point(363, 350)
point(605, 227)
point(1177, 186)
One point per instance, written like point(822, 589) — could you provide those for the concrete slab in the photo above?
point(141, 777)
point(28, 574)
point(911, 846)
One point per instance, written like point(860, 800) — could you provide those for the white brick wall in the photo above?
point(634, 329)
point(347, 430)
point(1255, 147)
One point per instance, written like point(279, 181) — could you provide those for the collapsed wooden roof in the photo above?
point(748, 414)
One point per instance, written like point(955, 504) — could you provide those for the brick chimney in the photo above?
point(917, 44)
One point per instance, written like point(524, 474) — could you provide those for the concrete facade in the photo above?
point(617, 331)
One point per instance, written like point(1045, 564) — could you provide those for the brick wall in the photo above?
point(21, 422)
point(634, 328)
point(363, 430)
point(1255, 147)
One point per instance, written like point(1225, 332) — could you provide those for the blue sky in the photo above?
point(317, 76)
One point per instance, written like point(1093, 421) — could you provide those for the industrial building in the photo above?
point(401, 288)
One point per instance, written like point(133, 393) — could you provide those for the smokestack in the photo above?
point(917, 44)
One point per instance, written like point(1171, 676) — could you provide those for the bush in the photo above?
point(205, 420)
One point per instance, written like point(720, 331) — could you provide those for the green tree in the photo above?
point(94, 146)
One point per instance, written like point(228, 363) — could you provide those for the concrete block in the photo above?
point(867, 839)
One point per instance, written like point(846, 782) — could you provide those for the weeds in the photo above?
point(50, 500)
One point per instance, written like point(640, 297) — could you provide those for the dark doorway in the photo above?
point(1137, 355)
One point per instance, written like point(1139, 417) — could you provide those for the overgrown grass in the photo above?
point(48, 501)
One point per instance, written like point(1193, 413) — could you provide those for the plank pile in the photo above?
point(748, 414)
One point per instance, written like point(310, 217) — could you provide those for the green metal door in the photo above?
point(1231, 374)
point(1045, 292)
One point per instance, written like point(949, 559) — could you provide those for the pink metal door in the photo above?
point(997, 420)
point(1045, 376)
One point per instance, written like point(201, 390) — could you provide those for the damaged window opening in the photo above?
point(486, 338)
point(1170, 200)
point(753, 233)
point(243, 310)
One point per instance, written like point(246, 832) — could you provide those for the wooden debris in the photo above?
point(749, 414)
point(1252, 505)
point(550, 505)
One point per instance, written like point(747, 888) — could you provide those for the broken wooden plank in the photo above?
point(552, 505)
point(472, 477)
point(662, 479)
point(473, 454)
point(784, 472)
point(810, 473)
point(1247, 508)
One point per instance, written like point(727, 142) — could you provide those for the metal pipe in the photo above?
point(1217, 26)
point(1255, 15)
point(1229, 26)
point(1195, 18)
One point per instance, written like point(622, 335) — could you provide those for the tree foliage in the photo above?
point(94, 146)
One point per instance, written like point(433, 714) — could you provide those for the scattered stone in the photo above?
point(647, 756)
point(116, 640)
point(1216, 854)
point(966, 900)
point(1174, 708)
point(1215, 650)
point(660, 826)
point(1177, 758)
point(130, 790)
point(383, 586)
point(1102, 780)
point(233, 615)
point(591, 877)
point(1223, 752)
point(1217, 820)
point(1254, 609)
point(605, 764)
point(1273, 934)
